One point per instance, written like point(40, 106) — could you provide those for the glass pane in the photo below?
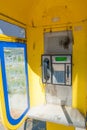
point(16, 80)
point(11, 29)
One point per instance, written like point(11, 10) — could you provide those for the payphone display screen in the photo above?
point(60, 58)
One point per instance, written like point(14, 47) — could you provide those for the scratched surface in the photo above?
point(60, 95)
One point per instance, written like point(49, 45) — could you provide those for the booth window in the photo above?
point(13, 30)
point(13, 57)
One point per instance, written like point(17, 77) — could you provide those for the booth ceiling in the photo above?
point(45, 12)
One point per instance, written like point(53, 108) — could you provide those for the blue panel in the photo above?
point(39, 125)
point(60, 76)
point(5, 85)
point(31, 124)
point(11, 29)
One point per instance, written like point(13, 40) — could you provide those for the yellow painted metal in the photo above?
point(79, 66)
point(41, 12)
point(35, 49)
point(51, 126)
point(79, 72)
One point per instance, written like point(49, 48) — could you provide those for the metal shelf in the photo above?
point(58, 114)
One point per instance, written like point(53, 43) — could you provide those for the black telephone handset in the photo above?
point(46, 69)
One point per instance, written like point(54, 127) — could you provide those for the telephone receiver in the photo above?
point(46, 66)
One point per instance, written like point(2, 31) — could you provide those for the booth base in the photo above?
point(58, 114)
point(80, 128)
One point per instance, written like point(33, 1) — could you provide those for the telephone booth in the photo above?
point(43, 61)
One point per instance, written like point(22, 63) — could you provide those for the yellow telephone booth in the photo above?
point(43, 46)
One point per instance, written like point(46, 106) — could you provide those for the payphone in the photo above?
point(56, 69)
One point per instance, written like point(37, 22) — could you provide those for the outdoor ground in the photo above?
point(3, 128)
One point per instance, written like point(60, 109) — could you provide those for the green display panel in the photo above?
point(60, 58)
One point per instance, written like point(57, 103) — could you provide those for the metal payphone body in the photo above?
point(57, 67)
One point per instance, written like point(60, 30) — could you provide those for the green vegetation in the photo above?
point(15, 71)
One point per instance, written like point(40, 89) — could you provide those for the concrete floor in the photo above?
point(3, 128)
